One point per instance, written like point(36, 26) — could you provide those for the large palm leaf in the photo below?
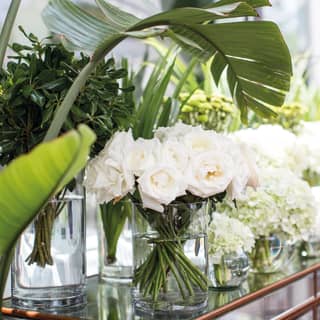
point(28, 182)
point(256, 57)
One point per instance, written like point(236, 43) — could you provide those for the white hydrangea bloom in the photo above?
point(227, 235)
point(275, 146)
point(308, 140)
point(256, 209)
point(283, 203)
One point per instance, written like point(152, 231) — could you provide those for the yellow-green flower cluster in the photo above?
point(214, 112)
point(289, 116)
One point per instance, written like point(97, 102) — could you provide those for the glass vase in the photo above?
point(228, 272)
point(49, 265)
point(170, 260)
point(268, 255)
point(115, 242)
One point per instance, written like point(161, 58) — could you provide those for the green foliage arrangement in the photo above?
point(37, 79)
point(29, 181)
point(35, 82)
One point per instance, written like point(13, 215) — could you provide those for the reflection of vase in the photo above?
point(309, 249)
point(221, 298)
point(170, 259)
point(230, 271)
point(114, 301)
point(258, 281)
point(61, 284)
point(115, 242)
point(268, 255)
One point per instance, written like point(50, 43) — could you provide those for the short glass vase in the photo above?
point(115, 242)
point(49, 265)
point(170, 260)
point(268, 255)
point(229, 271)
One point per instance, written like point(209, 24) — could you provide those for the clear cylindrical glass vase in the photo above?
point(49, 265)
point(228, 272)
point(115, 242)
point(170, 260)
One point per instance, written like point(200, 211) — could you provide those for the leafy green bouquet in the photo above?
point(36, 80)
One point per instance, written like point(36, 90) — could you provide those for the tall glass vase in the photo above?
point(115, 242)
point(49, 265)
point(170, 259)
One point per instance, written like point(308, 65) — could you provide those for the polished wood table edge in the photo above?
point(267, 290)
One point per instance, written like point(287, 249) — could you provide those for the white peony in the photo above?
point(210, 173)
point(160, 186)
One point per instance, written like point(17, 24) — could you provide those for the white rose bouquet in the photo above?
point(181, 164)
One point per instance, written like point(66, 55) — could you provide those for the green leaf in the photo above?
point(28, 182)
point(219, 63)
point(82, 29)
point(195, 15)
point(7, 27)
point(119, 18)
point(252, 3)
point(262, 74)
point(114, 217)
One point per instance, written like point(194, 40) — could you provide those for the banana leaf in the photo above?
point(29, 181)
point(7, 28)
point(254, 53)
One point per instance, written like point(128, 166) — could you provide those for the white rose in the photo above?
point(108, 180)
point(245, 170)
point(142, 155)
point(118, 146)
point(200, 141)
point(175, 154)
point(160, 186)
point(249, 156)
point(210, 173)
point(178, 131)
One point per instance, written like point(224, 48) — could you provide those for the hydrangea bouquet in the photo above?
point(163, 176)
point(228, 240)
point(282, 205)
